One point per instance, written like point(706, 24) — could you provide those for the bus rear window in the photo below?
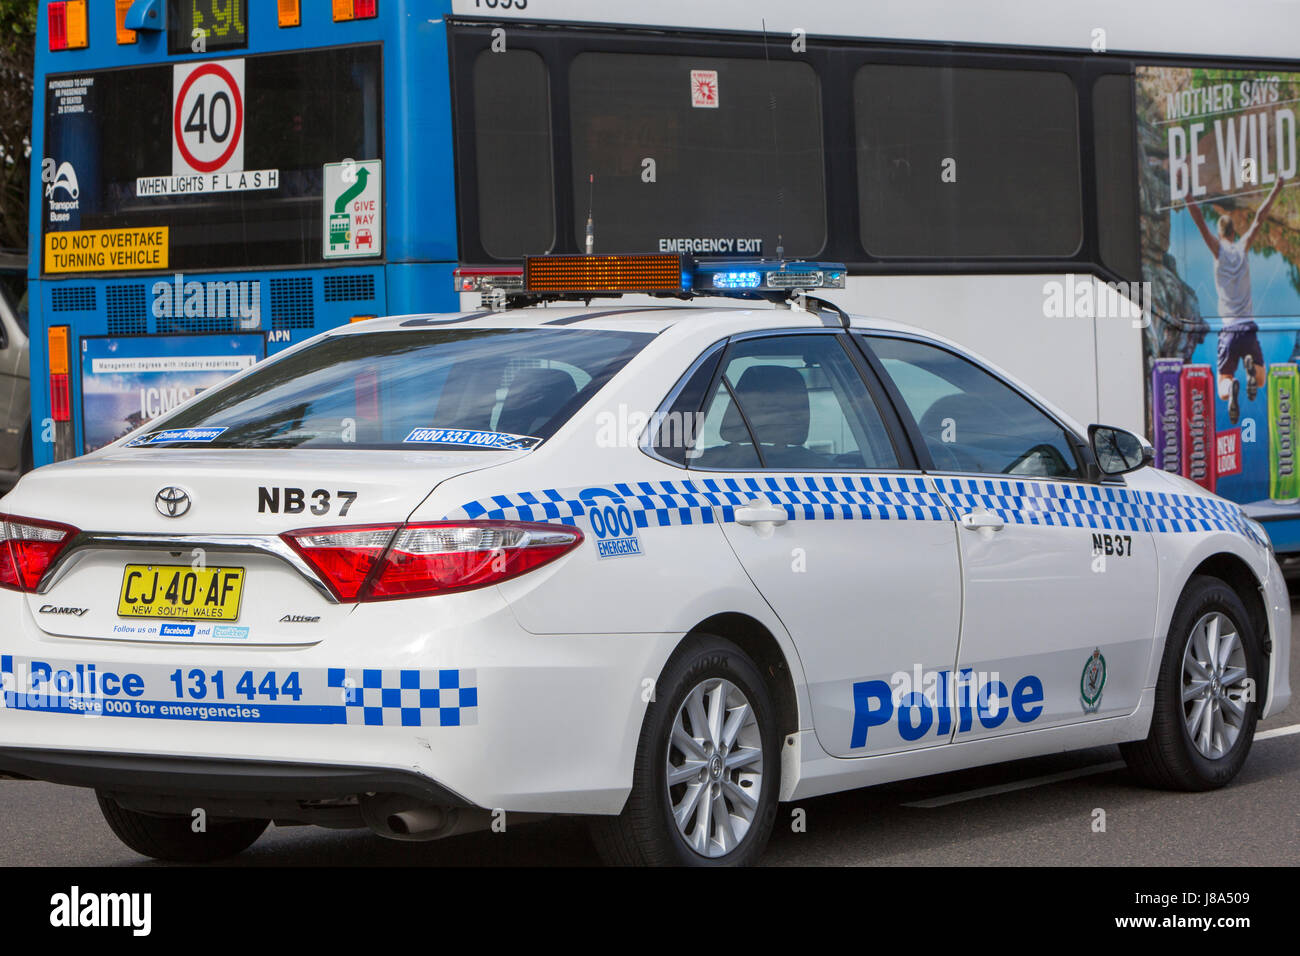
point(471, 388)
point(961, 163)
point(512, 135)
point(112, 159)
point(699, 155)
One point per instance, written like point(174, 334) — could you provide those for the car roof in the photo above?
point(725, 320)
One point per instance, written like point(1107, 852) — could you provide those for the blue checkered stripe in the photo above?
point(1092, 506)
point(664, 503)
point(407, 698)
point(1175, 513)
point(1055, 504)
point(906, 497)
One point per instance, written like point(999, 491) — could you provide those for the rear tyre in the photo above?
point(707, 769)
point(1205, 713)
point(172, 837)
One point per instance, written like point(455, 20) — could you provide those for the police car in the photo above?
point(661, 566)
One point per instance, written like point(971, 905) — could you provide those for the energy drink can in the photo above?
point(1283, 479)
point(1166, 405)
point(1197, 430)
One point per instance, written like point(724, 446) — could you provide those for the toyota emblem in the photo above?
point(172, 502)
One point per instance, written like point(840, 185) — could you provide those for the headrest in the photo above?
point(775, 399)
point(533, 398)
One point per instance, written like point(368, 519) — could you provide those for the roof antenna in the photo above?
point(591, 198)
point(771, 108)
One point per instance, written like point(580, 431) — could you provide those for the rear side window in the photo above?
point(792, 403)
point(471, 388)
point(971, 421)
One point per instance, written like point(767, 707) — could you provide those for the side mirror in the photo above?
point(1118, 451)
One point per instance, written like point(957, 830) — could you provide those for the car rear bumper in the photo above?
point(202, 778)
point(470, 709)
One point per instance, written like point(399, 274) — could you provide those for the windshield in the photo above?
point(463, 388)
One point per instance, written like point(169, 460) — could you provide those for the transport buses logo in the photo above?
point(62, 191)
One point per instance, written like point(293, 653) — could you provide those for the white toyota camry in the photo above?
point(664, 567)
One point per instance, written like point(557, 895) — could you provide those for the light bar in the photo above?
point(597, 275)
point(767, 276)
point(487, 278)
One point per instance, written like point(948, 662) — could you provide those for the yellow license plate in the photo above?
point(181, 592)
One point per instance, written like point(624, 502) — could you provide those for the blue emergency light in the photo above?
point(764, 276)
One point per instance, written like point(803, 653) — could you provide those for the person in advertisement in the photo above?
point(1238, 340)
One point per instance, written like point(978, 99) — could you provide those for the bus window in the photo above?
point(1117, 205)
point(300, 111)
point(957, 162)
point(512, 129)
point(689, 155)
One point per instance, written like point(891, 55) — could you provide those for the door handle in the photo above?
point(982, 520)
point(760, 513)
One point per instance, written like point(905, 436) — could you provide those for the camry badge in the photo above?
point(172, 502)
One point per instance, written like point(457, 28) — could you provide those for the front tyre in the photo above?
point(172, 837)
point(1205, 710)
point(707, 767)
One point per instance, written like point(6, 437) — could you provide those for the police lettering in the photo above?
point(918, 714)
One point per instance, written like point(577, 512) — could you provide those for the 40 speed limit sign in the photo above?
point(207, 117)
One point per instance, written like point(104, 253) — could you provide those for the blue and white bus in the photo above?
point(221, 178)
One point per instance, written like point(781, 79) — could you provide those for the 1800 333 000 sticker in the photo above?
point(435, 697)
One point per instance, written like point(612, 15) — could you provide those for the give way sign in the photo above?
point(207, 117)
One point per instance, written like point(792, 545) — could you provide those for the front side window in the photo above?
point(702, 155)
point(403, 389)
point(970, 420)
point(792, 403)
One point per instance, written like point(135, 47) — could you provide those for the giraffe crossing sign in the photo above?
point(352, 217)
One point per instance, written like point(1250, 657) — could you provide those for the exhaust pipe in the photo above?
point(398, 817)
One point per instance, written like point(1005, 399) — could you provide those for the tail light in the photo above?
point(355, 9)
point(384, 562)
point(67, 22)
point(27, 549)
point(60, 384)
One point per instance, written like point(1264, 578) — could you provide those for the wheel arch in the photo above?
point(1237, 574)
point(754, 638)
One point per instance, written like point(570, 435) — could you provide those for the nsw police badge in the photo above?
point(1091, 682)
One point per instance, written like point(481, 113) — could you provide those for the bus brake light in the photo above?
point(67, 20)
point(355, 10)
point(60, 387)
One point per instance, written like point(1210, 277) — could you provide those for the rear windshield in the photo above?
point(472, 389)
